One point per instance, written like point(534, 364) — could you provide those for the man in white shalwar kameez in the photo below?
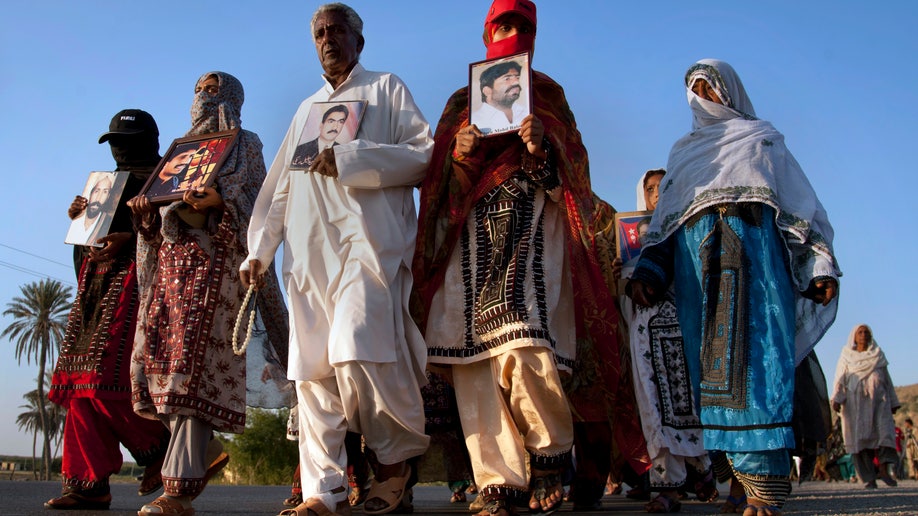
point(348, 226)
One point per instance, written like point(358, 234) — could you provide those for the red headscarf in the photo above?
point(517, 43)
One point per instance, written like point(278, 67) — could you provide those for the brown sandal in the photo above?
point(167, 507)
point(215, 467)
point(74, 501)
point(152, 479)
point(391, 492)
point(314, 507)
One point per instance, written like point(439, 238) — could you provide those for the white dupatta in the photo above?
point(732, 157)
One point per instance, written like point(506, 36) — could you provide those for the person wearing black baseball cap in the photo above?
point(134, 138)
point(130, 121)
point(97, 392)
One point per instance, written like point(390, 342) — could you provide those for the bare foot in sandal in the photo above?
point(547, 491)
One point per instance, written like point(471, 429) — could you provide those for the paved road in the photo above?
point(812, 498)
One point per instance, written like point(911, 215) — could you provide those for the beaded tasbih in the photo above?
point(249, 296)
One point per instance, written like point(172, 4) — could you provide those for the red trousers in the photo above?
point(93, 433)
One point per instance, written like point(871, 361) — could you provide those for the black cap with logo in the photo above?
point(131, 121)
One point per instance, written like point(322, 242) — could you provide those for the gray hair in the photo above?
point(350, 17)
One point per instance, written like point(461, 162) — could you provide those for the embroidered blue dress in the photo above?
point(740, 232)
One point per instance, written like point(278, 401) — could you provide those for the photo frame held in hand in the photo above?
point(327, 124)
point(191, 162)
point(630, 227)
point(500, 96)
point(103, 191)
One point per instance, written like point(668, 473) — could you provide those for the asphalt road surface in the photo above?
point(812, 498)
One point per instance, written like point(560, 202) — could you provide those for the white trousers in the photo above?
point(382, 401)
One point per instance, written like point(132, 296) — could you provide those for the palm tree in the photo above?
point(30, 420)
point(40, 319)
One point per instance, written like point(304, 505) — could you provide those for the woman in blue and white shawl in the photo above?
point(741, 233)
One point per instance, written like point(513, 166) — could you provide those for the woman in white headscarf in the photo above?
point(866, 398)
point(664, 391)
point(741, 233)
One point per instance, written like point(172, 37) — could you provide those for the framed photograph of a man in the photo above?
point(102, 192)
point(191, 162)
point(499, 93)
point(327, 124)
point(630, 227)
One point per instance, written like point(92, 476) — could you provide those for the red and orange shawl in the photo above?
point(599, 391)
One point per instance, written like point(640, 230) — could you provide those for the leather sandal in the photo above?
point(315, 507)
point(165, 506)
point(74, 501)
point(542, 485)
point(215, 467)
point(152, 478)
point(391, 492)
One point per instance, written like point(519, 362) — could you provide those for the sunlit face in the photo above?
point(332, 126)
point(177, 164)
point(336, 44)
point(98, 197)
point(862, 337)
point(210, 84)
point(511, 25)
point(506, 89)
point(652, 190)
point(704, 90)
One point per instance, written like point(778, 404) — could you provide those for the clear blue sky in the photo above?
point(834, 77)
